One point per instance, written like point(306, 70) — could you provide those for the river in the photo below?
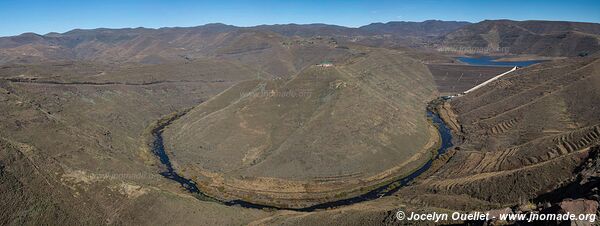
point(384, 190)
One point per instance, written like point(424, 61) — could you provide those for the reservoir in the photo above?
point(491, 61)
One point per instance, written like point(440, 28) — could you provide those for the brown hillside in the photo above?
point(339, 125)
point(545, 38)
point(522, 136)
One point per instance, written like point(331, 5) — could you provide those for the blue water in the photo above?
point(489, 61)
point(384, 190)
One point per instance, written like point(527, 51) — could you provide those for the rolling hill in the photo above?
point(544, 38)
point(321, 135)
point(179, 44)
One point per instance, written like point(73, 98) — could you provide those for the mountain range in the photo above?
point(143, 45)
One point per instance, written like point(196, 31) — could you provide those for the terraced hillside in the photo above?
point(521, 136)
point(324, 134)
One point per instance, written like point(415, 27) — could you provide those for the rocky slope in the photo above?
point(544, 38)
point(520, 137)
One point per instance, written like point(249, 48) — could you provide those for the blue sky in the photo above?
point(41, 17)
